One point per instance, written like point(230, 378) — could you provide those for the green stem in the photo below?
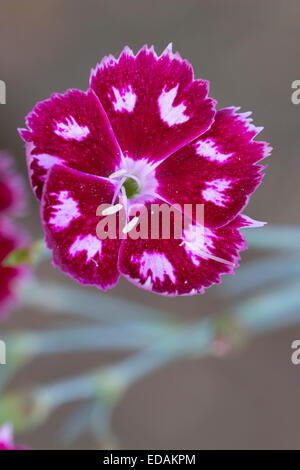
point(83, 338)
point(113, 380)
point(49, 296)
point(257, 316)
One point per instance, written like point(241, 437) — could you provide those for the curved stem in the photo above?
point(196, 340)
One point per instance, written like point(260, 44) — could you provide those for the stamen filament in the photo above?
point(216, 258)
point(125, 202)
point(118, 173)
point(117, 190)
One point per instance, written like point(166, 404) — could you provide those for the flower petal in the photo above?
point(184, 266)
point(154, 105)
point(243, 221)
point(11, 237)
point(12, 191)
point(69, 214)
point(72, 129)
point(217, 170)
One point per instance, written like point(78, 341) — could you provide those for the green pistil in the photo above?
point(131, 188)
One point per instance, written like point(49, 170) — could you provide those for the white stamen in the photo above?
point(112, 209)
point(117, 189)
point(216, 258)
point(118, 173)
point(130, 225)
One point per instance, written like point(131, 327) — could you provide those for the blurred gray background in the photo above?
point(249, 50)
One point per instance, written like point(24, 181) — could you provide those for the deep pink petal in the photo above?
point(217, 170)
point(12, 191)
point(184, 266)
point(72, 129)
point(243, 221)
point(68, 211)
point(154, 105)
point(11, 238)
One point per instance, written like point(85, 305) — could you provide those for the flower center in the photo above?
point(135, 180)
point(135, 183)
point(132, 187)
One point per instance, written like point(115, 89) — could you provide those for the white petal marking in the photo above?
point(124, 100)
point(171, 115)
point(44, 160)
point(71, 130)
point(157, 263)
point(196, 240)
point(198, 243)
point(89, 243)
point(207, 148)
point(214, 192)
point(65, 211)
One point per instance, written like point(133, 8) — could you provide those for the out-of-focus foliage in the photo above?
point(263, 295)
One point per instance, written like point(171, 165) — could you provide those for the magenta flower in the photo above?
point(144, 133)
point(12, 203)
point(11, 238)
point(12, 200)
point(7, 439)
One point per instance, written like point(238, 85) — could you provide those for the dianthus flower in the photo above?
point(11, 238)
point(12, 203)
point(145, 133)
point(12, 200)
